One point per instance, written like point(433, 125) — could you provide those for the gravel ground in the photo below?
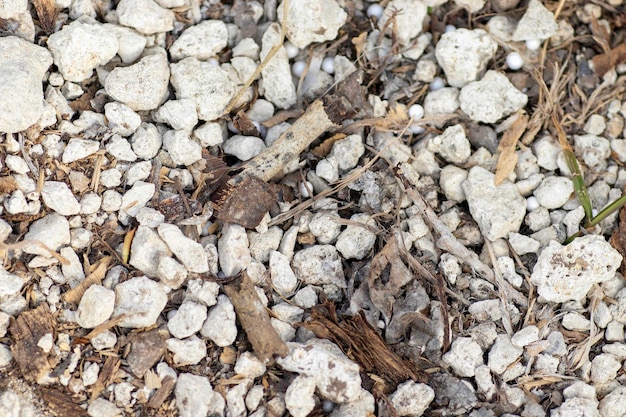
point(317, 207)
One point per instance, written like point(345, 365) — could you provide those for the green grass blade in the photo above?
point(579, 182)
point(607, 211)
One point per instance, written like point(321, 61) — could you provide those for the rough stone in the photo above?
point(412, 399)
point(491, 98)
point(319, 265)
point(145, 16)
point(146, 251)
point(464, 356)
point(52, 230)
point(140, 300)
point(57, 196)
point(188, 251)
point(278, 86)
point(409, 21)
point(201, 41)
point(537, 23)
point(220, 324)
point(95, 307)
point(311, 21)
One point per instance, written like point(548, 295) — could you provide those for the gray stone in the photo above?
point(319, 265)
point(452, 145)
point(234, 254)
point(498, 210)
point(412, 398)
point(537, 23)
point(146, 251)
point(503, 353)
point(355, 242)
point(195, 397)
point(464, 356)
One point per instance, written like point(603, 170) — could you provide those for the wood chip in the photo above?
point(507, 158)
point(167, 387)
point(27, 330)
point(61, 404)
point(107, 376)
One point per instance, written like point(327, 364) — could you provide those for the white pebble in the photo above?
point(214, 62)
point(375, 10)
point(291, 49)
point(437, 84)
point(416, 111)
point(297, 69)
point(532, 203)
point(306, 189)
point(533, 44)
point(514, 61)
point(416, 130)
point(328, 65)
point(449, 28)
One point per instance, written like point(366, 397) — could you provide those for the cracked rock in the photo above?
point(491, 98)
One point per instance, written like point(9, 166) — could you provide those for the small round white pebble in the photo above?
point(306, 189)
point(532, 203)
point(449, 28)
point(328, 65)
point(214, 62)
point(514, 61)
point(375, 10)
point(416, 130)
point(533, 44)
point(297, 69)
point(437, 84)
point(291, 49)
point(416, 111)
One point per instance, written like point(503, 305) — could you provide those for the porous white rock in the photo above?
point(525, 336)
point(195, 397)
point(244, 147)
point(564, 273)
point(77, 149)
point(146, 141)
point(73, 269)
point(52, 230)
point(207, 85)
point(311, 21)
point(57, 196)
point(452, 145)
point(325, 226)
point(180, 114)
point(10, 285)
point(278, 86)
point(137, 197)
point(170, 272)
point(119, 148)
point(220, 325)
point(451, 181)
point(188, 251)
point(348, 151)
point(146, 251)
point(463, 54)
point(412, 398)
point(90, 203)
point(187, 320)
point(409, 21)
point(146, 16)
point(234, 253)
point(355, 242)
point(284, 280)
point(140, 300)
point(95, 307)
point(575, 321)
point(249, 365)
point(503, 353)
point(210, 134)
point(464, 356)
point(319, 265)
point(594, 150)
point(22, 67)
point(141, 86)
point(80, 47)
point(103, 408)
point(122, 119)
point(547, 150)
point(189, 351)
point(614, 402)
point(111, 201)
point(442, 101)
point(523, 244)
point(537, 23)
point(201, 41)
point(604, 368)
point(336, 377)
point(299, 397)
point(498, 210)
point(491, 98)
point(131, 44)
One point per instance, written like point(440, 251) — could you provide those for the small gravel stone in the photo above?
point(187, 320)
point(452, 145)
point(491, 98)
point(614, 332)
point(604, 368)
point(209, 134)
point(122, 119)
point(523, 244)
point(278, 86)
point(412, 399)
point(575, 321)
point(220, 325)
point(52, 230)
point(234, 254)
point(409, 23)
point(613, 403)
point(525, 336)
point(188, 351)
point(554, 192)
point(146, 141)
point(90, 203)
point(594, 150)
point(463, 54)
point(348, 151)
point(111, 201)
point(355, 242)
point(244, 147)
point(147, 250)
point(503, 353)
point(564, 273)
point(141, 300)
point(145, 16)
point(537, 23)
point(120, 149)
point(319, 265)
point(103, 408)
point(78, 48)
point(498, 210)
point(464, 356)
point(141, 86)
point(137, 197)
point(442, 101)
point(188, 251)
point(336, 377)
point(180, 114)
point(201, 41)
point(195, 397)
point(299, 396)
point(284, 280)
point(249, 366)
point(207, 85)
point(311, 21)
point(170, 272)
point(58, 197)
point(95, 307)
point(131, 44)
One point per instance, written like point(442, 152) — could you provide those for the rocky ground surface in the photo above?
point(318, 207)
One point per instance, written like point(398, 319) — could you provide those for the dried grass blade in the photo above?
point(508, 158)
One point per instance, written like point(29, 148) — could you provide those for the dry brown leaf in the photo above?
point(603, 63)
point(508, 158)
point(75, 294)
point(324, 148)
